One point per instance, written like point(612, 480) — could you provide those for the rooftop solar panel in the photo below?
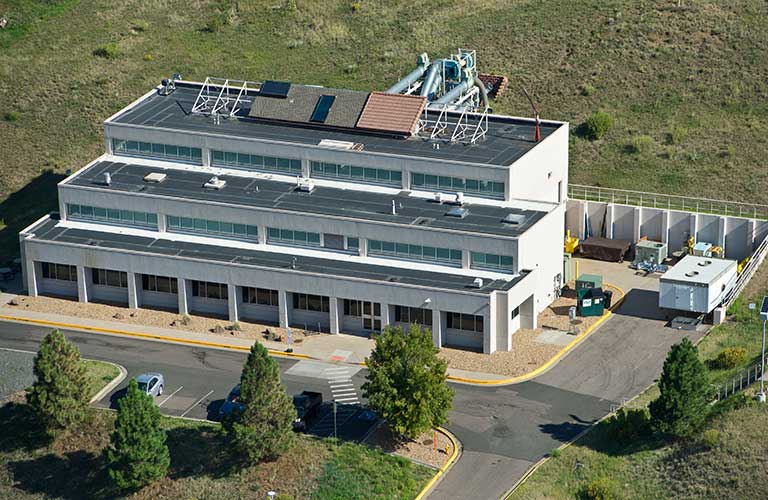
point(323, 106)
point(271, 88)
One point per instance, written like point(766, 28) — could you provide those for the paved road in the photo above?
point(503, 429)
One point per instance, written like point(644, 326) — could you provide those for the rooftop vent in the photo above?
point(345, 145)
point(691, 274)
point(514, 219)
point(155, 177)
point(477, 283)
point(305, 185)
point(215, 183)
point(705, 263)
point(107, 179)
point(458, 212)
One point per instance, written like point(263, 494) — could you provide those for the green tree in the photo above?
point(406, 381)
point(263, 428)
point(597, 125)
point(137, 453)
point(59, 395)
point(683, 402)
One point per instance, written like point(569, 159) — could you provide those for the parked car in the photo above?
point(151, 383)
point(232, 402)
point(307, 405)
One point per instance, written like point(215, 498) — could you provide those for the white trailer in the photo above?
point(696, 284)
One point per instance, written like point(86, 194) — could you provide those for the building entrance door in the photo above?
point(371, 316)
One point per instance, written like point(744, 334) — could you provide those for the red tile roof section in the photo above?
point(494, 83)
point(397, 113)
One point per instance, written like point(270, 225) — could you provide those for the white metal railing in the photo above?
point(667, 201)
point(739, 382)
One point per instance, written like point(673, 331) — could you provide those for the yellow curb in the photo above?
point(554, 359)
point(176, 340)
point(445, 467)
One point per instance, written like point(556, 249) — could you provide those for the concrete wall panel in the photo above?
point(650, 224)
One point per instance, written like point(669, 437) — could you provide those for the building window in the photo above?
point(491, 262)
point(515, 312)
point(255, 162)
point(215, 228)
point(107, 277)
point(414, 252)
point(208, 290)
point(487, 189)
point(466, 322)
point(404, 314)
point(306, 302)
point(356, 174)
point(182, 154)
point(290, 237)
point(353, 308)
point(61, 272)
point(112, 216)
point(353, 244)
point(261, 296)
point(163, 284)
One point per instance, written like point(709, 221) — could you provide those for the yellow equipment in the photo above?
point(571, 242)
point(742, 265)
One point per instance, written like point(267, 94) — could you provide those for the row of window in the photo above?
point(467, 322)
point(159, 151)
point(414, 252)
point(488, 189)
point(363, 174)
point(308, 302)
point(209, 290)
point(260, 296)
point(108, 277)
point(162, 284)
point(212, 227)
point(405, 314)
point(291, 237)
point(491, 261)
point(255, 162)
point(112, 215)
point(361, 308)
point(60, 272)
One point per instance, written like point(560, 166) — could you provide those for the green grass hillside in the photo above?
point(686, 85)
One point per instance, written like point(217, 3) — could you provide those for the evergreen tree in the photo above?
point(406, 381)
point(137, 453)
point(59, 396)
point(263, 428)
point(683, 400)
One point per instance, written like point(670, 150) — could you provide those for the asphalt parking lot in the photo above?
point(15, 371)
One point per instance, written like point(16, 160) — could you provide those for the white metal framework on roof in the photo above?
point(216, 96)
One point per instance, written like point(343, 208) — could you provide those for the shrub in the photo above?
point(728, 358)
point(677, 135)
point(587, 89)
point(148, 57)
point(556, 453)
point(108, 51)
point(628, 424)
point(58, 397)
point(598, 124)
point(710, 438)
point(12, 116)
point(139, 25)
point(599, 489)
point(356, 6)
point(642, 144)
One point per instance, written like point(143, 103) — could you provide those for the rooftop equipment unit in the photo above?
point(459, 198)
point(457, 212)
point(439, 197)
point(155, 177)
point(696, 284)
point(514, 219)
point(330, 143)
point(305, 185)
point(215, 183)
point(477, 283)
point(650, 251)
point(107, 178)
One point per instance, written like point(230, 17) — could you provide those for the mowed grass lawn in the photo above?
point(686, 82)
point(653, 467)
point(72, 466)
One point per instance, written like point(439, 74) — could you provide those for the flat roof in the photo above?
point(48, 230)
point(280, 195)
point(702, 270)
point(507, 138)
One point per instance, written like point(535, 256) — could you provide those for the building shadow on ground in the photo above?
point(641, 304)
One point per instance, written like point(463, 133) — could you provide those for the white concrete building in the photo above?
point(358, 244)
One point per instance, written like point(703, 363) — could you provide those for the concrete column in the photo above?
point(306, 168)
point(84, 281)
point(161, 223)
point(363, 247)
point(134, 288)
point(718, 315)
point(263, 235)
point(489, 326)
point(437, 327)
point(694, 227)
point(406, 178)
point(206, 157)
point(234, 302)
point(665, 226)
point(582, 210)
point(609, 217)
point(33, 270)
point(184, 291)
point(282, 298)
point(384, 315)
point(637, 221)
point(466, 259)
point(24, 264)
point(722, 228)
point(335, 314)
point(751, 234)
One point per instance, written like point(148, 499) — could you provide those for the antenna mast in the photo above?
point(537, 132)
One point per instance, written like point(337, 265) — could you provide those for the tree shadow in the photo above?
point(564, 431)
point(198, 452)
point(27, 432)
point(605, 438)
point(23, 207)
point(75, 475)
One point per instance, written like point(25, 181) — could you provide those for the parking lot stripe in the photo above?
point(170, 396)
point(197, 403)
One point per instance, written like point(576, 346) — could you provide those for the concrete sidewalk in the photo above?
point(339, 348)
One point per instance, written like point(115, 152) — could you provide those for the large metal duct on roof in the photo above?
point(432, 80)
point(421, 66)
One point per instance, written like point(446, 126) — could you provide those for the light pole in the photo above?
point(764, 317)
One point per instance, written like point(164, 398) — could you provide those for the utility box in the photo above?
point(590, 300)
point(702, 249)
point(650, 251)
point(567, 268)
point(696, 284)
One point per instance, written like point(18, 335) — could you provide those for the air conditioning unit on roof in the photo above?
point(306, 185)
point(215, 183)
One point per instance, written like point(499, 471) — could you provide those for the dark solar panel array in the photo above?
point(323, 106)
point(272, 88)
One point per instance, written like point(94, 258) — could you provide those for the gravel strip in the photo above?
point(15, 372)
